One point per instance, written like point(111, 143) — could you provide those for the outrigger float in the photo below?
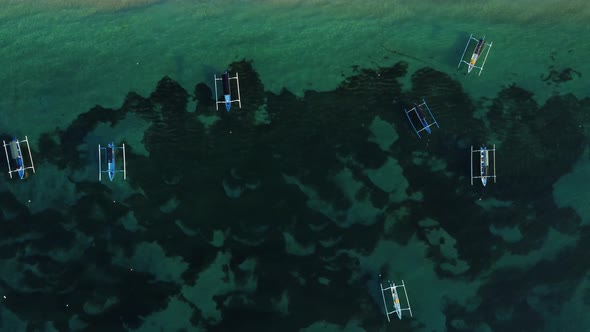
point(225, 81)
point(484, 164)
point(17, 157)
point(417, 110)
point(395, 304)
point(480, 47)
point(110, 155)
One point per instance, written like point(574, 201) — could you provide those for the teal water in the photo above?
point(286, 214)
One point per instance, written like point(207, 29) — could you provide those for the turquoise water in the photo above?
point(286, 214)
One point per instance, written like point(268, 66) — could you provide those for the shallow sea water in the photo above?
point(287, 214)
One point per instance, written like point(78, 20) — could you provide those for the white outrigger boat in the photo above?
point(110, 155)
point(484, 164)
point(419, 115)
point(480, 48)
point(393, 294)
point(16, 154)
point(225, 81)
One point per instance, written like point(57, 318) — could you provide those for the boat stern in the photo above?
point(227, 102)
point(472, 63)
point(396, 305)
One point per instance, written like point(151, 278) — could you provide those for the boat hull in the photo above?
point(484, 165)
point(227, 102)
point(18, 157)
point(111, 160)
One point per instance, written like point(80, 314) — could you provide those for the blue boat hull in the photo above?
point(227, 102)
point(111, 160)
point(19, 159)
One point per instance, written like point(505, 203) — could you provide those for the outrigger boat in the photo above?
point(17, 157)
point(480, 48)
point(225, 81)
point(484, 164)
point(109, 152)
point(394, 295)
point(419, 115)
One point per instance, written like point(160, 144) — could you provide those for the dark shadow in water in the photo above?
point(271, 233)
